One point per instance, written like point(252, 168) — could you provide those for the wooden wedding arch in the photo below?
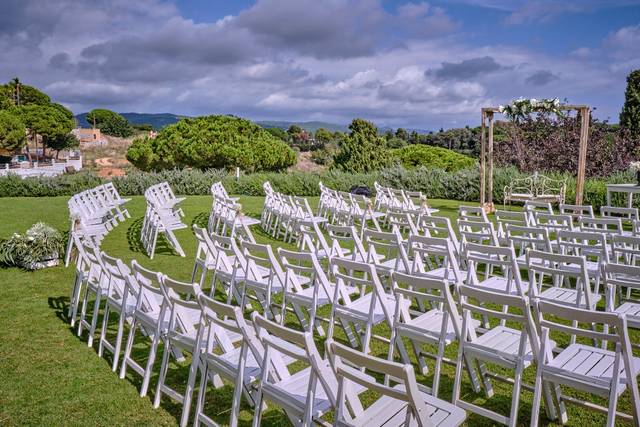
point(486, 153)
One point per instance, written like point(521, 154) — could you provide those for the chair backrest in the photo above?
point(407, 390)
point(559, 267)
point(592, 245)
point(435, 292)
point(472, 213)
point(608, 225)
point(497, 262)
point(553, 222)
point(260, 259)
point(313, 239)
point(150, 296)
point(179, 298)
point(429, 253)
point(298, 265)
point(625, 249)
point(228, 256)
point(346, 240)
point(476, 232)
point(626, 214)
point(505, 218)
point(117, 272)
point(401, 221)
point(437, 226)
point(537, 206)
point(385, 247)
point(618, 276)
point(523, 238)
point(576, 211)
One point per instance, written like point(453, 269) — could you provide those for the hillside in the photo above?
point(308, 126)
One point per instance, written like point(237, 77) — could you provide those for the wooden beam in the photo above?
point(582, 156)
point(482, 160)
point(490, 168)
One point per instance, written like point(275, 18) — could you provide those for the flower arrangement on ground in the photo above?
point(39, 247)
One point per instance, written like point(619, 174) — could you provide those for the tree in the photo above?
point(48, 121)
point(110, 122)
point(12, 132)
point(402, 134)
point(63, 142)
point(363, 150)
point(414, 138)
point(630, 115)
point(323, 136)
point(279, 133)
point(212, 142)
point(22, 94)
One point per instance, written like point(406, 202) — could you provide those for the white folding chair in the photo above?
point(438, 325)
point(505, 346)
point(148, 318)
point(588, 368)
point(617, 277)
point(513, 218)
point(386, 251)
point(98, 286)
point(434, 257)
point(305, 394)
point(373, 305)
point(472, 213)
point(576, 211)
point(404, 404)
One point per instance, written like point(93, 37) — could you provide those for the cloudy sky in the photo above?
point(398, 63)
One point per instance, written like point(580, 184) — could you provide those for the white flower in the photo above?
point(501, 108)
point(634, 167)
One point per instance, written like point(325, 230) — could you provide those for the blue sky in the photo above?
point(414, 64)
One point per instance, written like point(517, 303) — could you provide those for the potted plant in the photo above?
point(39, 247)
point(635, 168)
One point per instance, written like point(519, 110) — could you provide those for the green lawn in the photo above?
point(48, 376)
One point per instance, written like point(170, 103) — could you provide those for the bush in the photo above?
point(433, 157)
point(435, 183)
point(212, 142)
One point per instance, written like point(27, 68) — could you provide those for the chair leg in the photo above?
point(202, 390)
point(127, 349)
point(94, 318)
point(83, 310)
point(188, 394)
point(118, 344)
point(164, 366)
point(537, 394)
point(150, 362)
point(515, 399)
point(103, 331)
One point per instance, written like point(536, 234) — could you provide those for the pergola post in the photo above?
point(482, 160)
point(582, 156)
point(490, 167)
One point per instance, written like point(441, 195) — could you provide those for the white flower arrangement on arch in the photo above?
point(522, 107)
point(634, 167)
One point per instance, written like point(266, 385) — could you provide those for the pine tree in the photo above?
point(630, 115)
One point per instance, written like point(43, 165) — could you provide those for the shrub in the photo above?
point(434, 157)
point(212, 142)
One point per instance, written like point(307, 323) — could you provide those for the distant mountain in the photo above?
point(157, 120)
point(308, 126)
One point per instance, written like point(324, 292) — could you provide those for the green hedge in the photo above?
point(435, 183)
point(433, 157)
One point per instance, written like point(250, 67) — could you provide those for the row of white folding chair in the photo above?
point(344, 208)
point(93, 213)
point(163, 198)
point(282, 215)
point(226, 219)
point(157, 222)
point(267, 352)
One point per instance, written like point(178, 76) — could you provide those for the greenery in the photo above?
point(110, 122)
point(51, 377)
point(50, 122)
point(362, 150)
point(630, 115)
point(434, 157)
point(462, 185)
point(12, 132)
point(521, 108)
point(40, 243)
point(212, 142)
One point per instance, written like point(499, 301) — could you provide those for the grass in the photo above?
point(50, 377)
